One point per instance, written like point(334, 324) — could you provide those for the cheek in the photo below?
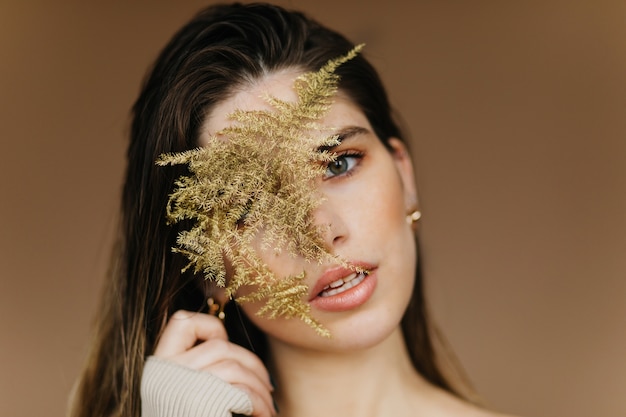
point(383, 209)
point(385, 229)
point(278, 259)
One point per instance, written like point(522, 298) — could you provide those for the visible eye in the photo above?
point(241, 222)
point(342, 165)
point(243, 214)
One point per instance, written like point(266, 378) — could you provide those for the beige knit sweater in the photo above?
point(172, 390)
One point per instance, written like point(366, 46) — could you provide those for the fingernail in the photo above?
point(275, 406)
point(272, 383)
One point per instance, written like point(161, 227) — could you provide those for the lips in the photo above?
point(341, 288)
point(343, 284)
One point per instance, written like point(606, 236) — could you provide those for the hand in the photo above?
point(199, 341)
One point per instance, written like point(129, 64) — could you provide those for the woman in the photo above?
point(156, 331)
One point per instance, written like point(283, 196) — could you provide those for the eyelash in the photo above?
point(358, 156)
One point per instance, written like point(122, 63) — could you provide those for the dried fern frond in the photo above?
point(258, 184)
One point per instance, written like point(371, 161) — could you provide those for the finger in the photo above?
point(183, 331)
point(217, 350)
point(236, 374)
point(260, 407)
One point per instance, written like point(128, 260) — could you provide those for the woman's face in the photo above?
point(367, 193)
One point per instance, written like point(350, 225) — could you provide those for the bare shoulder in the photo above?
point(455, 406)
point(441, 403)
point(481, 412)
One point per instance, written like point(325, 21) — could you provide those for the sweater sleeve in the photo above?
point(172, 390)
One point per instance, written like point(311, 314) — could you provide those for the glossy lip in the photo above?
point(348, 299)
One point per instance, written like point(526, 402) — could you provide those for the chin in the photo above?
point(363, 334)
point(350, 331)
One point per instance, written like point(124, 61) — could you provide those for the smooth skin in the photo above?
point(363, 369)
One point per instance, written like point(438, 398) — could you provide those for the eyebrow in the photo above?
point(345, 134)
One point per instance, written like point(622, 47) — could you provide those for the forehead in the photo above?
point(251, 96)
point(279, 84)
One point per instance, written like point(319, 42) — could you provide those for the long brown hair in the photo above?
point(221, 48)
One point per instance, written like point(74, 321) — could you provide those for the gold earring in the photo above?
point(413, 217)
point(216, 309)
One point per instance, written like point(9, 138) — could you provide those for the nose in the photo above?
point(331, 221)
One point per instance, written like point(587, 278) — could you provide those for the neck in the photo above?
point(375, 381)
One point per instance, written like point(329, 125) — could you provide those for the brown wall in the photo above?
point(517, 115)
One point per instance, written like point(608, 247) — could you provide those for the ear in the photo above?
point(211, 290)
point(404, 165)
